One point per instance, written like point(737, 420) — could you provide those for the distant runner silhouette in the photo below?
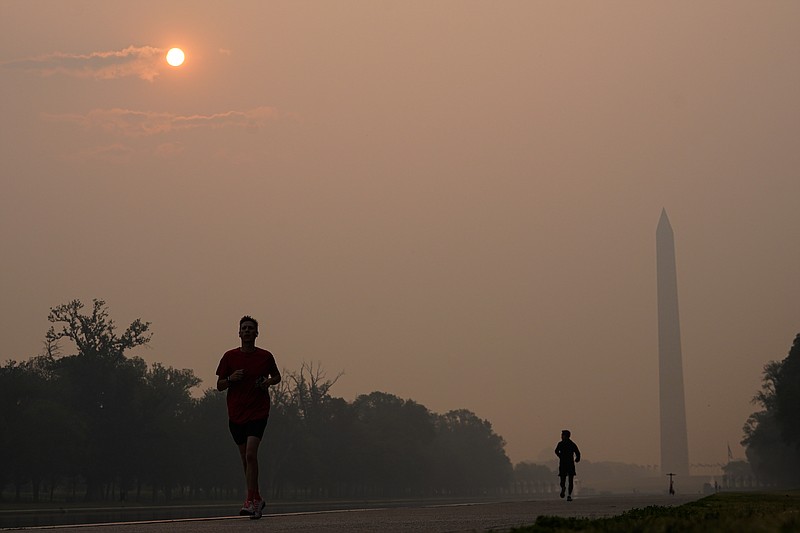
point(568, 454)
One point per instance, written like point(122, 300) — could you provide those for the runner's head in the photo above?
point(248, 329)
point(248, 318)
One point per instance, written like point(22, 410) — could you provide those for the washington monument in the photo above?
point(674, 442)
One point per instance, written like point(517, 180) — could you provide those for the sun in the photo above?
point(175, 57)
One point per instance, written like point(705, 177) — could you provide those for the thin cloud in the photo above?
point(168, 150)
point(113, 153)
point(129, 123)
point(144, 62)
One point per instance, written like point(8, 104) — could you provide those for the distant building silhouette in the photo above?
point(674, 440)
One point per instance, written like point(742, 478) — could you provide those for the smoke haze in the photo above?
point(453, 202)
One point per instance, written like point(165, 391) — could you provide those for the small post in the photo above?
point(671, 488)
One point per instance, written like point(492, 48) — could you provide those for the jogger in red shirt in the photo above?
point(246, 373)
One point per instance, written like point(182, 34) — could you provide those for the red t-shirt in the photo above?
point(247, 402)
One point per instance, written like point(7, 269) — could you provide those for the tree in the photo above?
point(305, 433)
point(94, 335)
point(166, 405)
point(787, 396)
point(30, 404)
point(100, 385)
point(470, 456)
point(772, 435)
point(737, 474)
point(100, 419)
point(216, 468)
point(394, 439)
point(532, 477)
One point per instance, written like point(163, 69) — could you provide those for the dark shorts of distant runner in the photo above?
point(566, 470)
point(252, 428)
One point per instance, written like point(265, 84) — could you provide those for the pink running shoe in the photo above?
point(258, 509)
point(247, 508)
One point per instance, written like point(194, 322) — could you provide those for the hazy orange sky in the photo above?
point(453, 202)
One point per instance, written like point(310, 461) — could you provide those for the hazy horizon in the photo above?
point(452, 202)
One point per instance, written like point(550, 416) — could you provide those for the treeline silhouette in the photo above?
point(100, 425)
point(772, 435)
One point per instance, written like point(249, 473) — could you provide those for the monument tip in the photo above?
point(663, 221)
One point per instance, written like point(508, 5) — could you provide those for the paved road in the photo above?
point(495, 516)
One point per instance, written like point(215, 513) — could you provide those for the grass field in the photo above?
point(749, 512)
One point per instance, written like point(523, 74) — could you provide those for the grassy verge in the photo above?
point(750, 512)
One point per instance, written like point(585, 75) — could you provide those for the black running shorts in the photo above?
point(253, 428)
